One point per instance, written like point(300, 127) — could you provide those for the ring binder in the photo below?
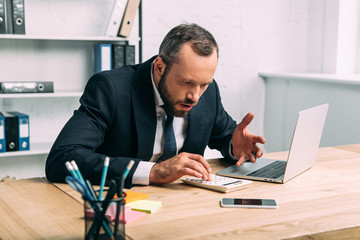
point(102, 57)
point(2, 17)
point(115, 18)
point(18, 16)
point(128, 19)
point(23, 130)
point(11, 132)
point(26, 87)
point(118, 54)
point(6, 14)
point(2, 133)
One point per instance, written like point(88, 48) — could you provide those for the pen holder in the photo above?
point(105, 224)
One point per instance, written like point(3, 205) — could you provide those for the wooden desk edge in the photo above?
point(340, 234)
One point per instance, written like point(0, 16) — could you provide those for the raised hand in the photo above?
point(244, 143)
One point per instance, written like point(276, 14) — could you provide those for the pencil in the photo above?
point(103, 177)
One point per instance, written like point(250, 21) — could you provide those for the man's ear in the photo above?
point(159, 67)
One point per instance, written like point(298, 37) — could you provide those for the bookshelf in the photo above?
point(67, 38)
point(45, 54)
point(36, 149)
point(60, 94)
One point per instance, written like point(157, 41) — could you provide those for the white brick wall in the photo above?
point(253, 36)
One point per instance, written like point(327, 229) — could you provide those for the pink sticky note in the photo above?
point(130, 215)
point(110, 212)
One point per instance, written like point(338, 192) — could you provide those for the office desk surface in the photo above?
point(322, 199)
point(36, 209)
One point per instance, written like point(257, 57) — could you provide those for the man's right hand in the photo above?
point(178, 166)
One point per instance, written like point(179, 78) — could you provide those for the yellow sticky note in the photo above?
point(132, 196)
point(148, 206)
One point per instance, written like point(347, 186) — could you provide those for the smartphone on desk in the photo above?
point(248, 203)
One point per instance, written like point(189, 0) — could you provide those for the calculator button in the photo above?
point(218, 183)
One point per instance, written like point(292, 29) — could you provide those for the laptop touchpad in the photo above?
point(247, 167)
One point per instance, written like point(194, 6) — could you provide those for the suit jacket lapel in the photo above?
point(144, 110)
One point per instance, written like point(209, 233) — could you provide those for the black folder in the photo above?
point(118, 54)
point(2, 17)
point(6, 26)
point(18, 16)
point(11, 132)
point(129, 55)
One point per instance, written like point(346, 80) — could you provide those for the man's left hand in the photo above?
point(244, 143)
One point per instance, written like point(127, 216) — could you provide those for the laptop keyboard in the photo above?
point(272, 170)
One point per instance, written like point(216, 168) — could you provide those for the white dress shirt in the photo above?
point(142, 172)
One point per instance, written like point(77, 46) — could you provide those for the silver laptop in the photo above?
point(301, 157)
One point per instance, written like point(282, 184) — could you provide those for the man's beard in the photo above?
point(169, 103)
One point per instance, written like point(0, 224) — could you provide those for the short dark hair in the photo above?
point(201, 41)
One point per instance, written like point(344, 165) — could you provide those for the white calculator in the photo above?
point(218, 183)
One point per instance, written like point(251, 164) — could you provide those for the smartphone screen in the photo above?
point(248, 203)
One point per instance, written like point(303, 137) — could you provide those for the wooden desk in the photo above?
point(324, 199)
point(36, 209)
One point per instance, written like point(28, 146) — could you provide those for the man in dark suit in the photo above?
point(123, 113)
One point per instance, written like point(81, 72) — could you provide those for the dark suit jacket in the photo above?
point(117, 118)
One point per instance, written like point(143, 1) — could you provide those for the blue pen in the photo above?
point(75, 174)
point(103, 177)
point(77, 185)
point(77, 171)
